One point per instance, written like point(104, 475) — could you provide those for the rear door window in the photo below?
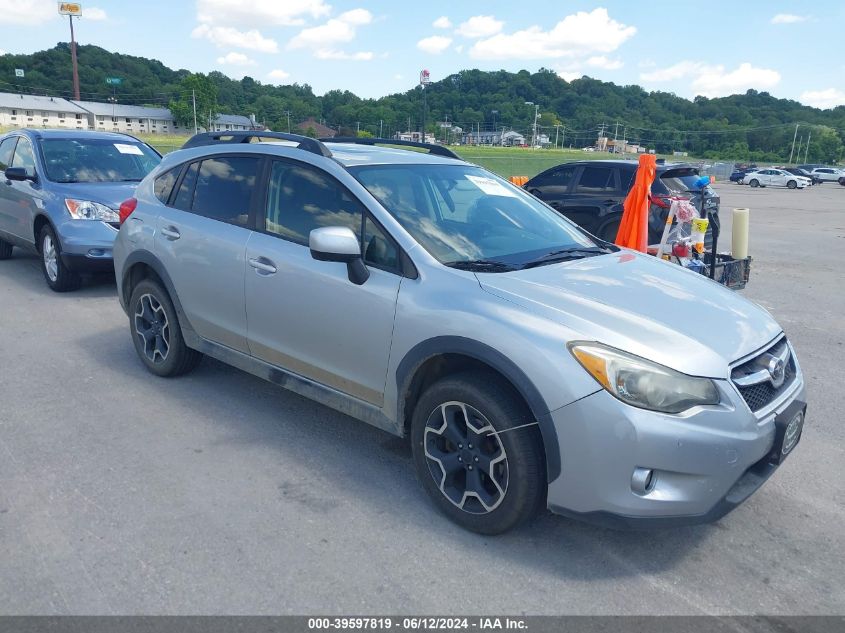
point(185, 195)
point(224, 188)
point(596, 180)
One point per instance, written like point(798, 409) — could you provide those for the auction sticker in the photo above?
point(125, 148)
point(490, 186)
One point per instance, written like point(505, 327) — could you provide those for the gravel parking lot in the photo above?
point(219, 493)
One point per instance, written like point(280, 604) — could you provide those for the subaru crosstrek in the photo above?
point(59, 196)
point(529, 363)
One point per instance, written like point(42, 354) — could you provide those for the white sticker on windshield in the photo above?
point(125, 148)
point(491, 187)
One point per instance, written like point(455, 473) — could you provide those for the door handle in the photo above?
point(263, 266)
point(171, 233)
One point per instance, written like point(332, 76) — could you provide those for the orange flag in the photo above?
point(633, 229)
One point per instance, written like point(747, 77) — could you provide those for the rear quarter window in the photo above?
point(163, 185)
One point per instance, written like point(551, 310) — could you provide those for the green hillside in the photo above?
point(754, 125)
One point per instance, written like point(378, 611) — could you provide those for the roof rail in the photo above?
point(437, 150)
point(245, 136)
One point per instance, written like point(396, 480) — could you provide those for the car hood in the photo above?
point(110, 194)
point(644, 306)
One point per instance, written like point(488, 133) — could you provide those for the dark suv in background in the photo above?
point(591, 193)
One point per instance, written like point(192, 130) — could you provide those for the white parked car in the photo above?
point(775, 178)
point(828, 174)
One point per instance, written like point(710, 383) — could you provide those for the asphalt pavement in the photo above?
point(218, 493)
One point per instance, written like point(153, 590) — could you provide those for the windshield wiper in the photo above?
point(481, 265)
point(131, 179)
point(565, 254)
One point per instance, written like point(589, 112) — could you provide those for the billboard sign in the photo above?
point(19, 72)
point(114, 81)
point(425, 77)
point(70, 8)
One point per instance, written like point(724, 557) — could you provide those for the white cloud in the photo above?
point(788, 18)
point(261, 13)
point(823, 99)
point(568, 75)
point(715, 82)
point(459, 48)
point(435, 44)
point(228, 37)
point(676, 71)
point(278, 74)
point(27, 12)
point(600, 61)
point(443, 22)
point(2, 52)
point(328, 53)
point(236, 59)
point(94, 13)
point(325, 38)
point(480, 26)
point(578, 34)
point(397, 77)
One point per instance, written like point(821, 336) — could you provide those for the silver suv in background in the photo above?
point(529, 363)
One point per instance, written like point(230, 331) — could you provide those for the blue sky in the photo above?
point(378, 47)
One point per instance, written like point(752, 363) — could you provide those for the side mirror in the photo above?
point(339, 244)
point(19, 174)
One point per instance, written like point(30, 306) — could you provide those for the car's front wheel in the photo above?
point(58, 276)
point(478, 453)
point(156, 333)
point(792, 184)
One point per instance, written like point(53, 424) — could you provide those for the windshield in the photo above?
point(97, 160)
point(462, 214)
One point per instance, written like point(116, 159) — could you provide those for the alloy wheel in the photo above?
point(152, 328)
point(466, 457)
point(51, 258)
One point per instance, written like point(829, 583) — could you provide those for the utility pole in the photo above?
point(798, 153)
point(381, 128)
point(793, 143)
point(357, 128)
point(287, 114)
point(616, 132)
point(557, 131)
point(73, 60)
point(807, 149)
point(194, 101)
point(601, 136)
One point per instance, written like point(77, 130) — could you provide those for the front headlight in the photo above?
point(87, 210)
point(642, 383)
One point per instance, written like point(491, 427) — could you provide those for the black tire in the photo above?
point(754, 182)
point(516, 491)
point(159, 341)
point(58, 276)
point(792, 184)
point(608, 230)
point(5, 250)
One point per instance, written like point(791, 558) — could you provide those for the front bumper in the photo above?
point(704, 462)
point(87, 245)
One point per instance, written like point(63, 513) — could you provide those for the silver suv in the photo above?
point(529, 363)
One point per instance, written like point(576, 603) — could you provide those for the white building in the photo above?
point(414, 136)
point(225, 122)
point(132, 119)
point(32, 111)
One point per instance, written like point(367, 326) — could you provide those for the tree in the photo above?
point(196, 86)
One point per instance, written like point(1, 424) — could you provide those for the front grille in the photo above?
point(762, 391)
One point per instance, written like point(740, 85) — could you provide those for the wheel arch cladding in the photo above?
point(436, 357)
point(38, 225)
point(141, 265)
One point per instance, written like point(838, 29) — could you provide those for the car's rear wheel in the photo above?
point(477, 452)
point(754, 182)
point(5, 250)
point(608, 230)
point(156, 333)
point(792, 184)
point(58, 276)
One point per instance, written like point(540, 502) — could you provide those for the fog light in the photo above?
point(641, 480)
